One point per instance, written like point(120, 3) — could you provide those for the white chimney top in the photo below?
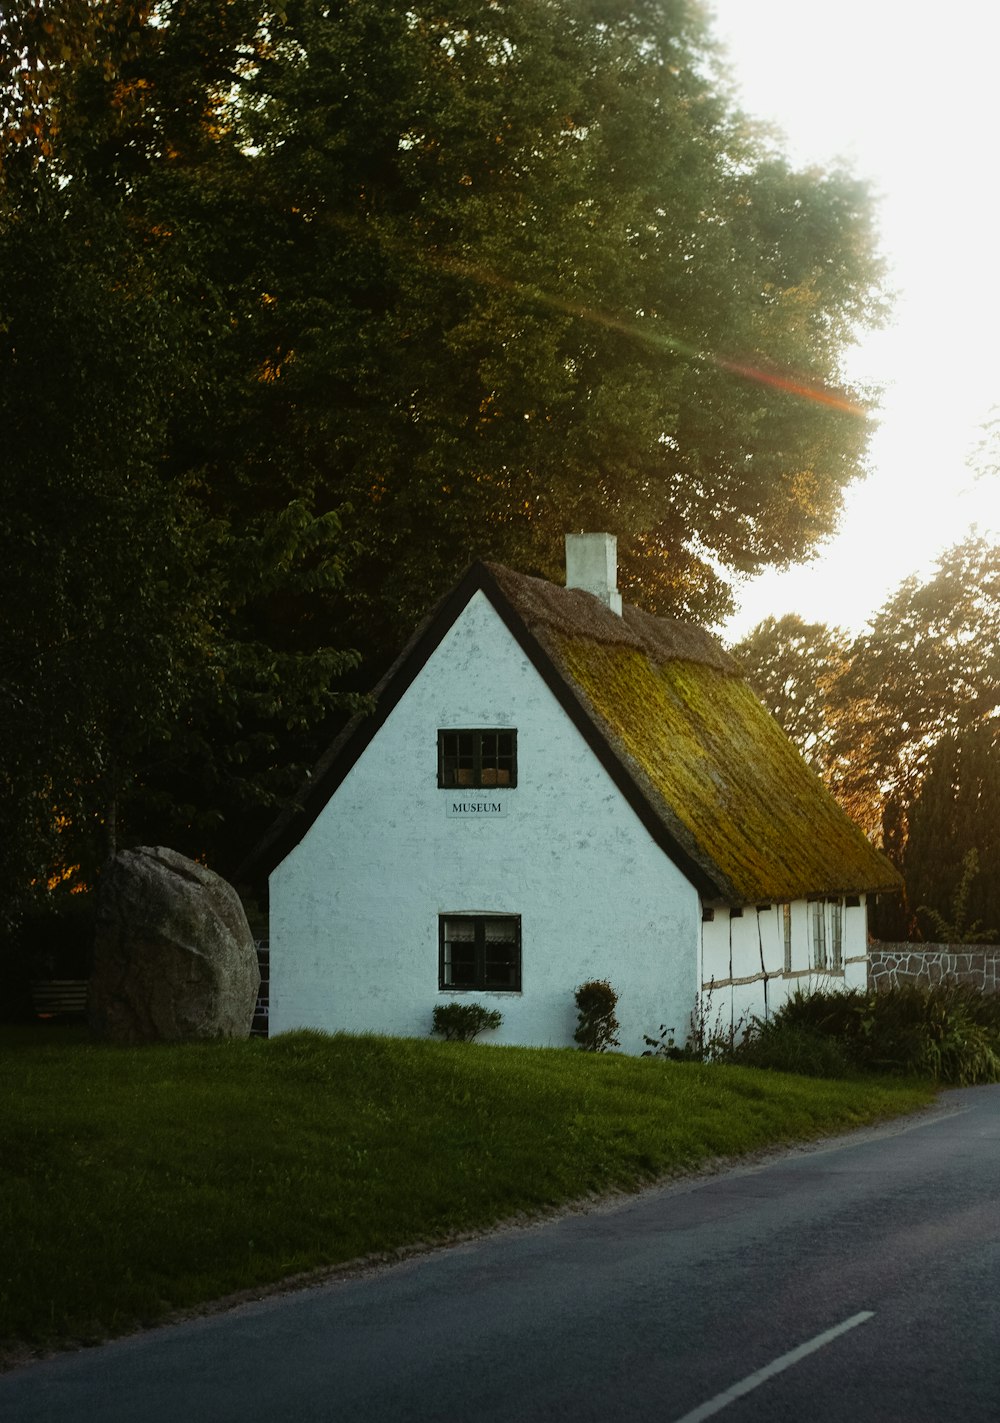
point(592, 564)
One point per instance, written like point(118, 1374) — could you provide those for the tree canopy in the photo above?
point(793, 666)
point(305, 307)
point(555, 281)
point(906, 719)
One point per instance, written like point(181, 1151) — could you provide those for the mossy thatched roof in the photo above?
point(708, 759)
point(665, 709)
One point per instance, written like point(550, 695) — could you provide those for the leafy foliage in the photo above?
point(947, 1032)
point(597, 1024)
point(461, 1022)
point(957, 929)
point(793, 666)
point(903, 725)
point(569, 308)
point(147, 678)
point(711, 1036)
point(793, 1047)
point(303, 308)
point(928, 666)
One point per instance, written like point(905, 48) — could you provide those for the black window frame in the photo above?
point(479, 982)
point(477, 735)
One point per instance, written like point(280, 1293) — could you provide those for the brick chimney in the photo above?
point(592, 564)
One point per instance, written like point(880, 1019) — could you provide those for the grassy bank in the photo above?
point(133, 1182)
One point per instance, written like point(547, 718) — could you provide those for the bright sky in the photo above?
point(907, 95)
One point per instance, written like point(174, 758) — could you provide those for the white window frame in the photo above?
point(817, 927)
point(837, 935)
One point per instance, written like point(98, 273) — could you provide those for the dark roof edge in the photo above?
point(346, 748)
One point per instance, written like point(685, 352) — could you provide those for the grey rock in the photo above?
point(174, 958)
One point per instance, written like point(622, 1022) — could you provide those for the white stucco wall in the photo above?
point(355, 906)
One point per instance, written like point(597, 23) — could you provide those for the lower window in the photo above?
point(480, 951)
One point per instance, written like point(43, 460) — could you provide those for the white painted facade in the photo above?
point(355, 906)
point(753, 959)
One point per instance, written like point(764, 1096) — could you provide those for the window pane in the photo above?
point(500, 937)
point(491, 759)
point(457, 758)
point(459, 967)
point(480, 951)
point(837, 934)
point(501, 965)
point(819, 935)
point(500, 930)
point(477, 758)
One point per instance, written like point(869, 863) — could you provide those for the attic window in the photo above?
point(480, 757)
point(480, 951)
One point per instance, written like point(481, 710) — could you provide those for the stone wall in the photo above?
point(893, 964)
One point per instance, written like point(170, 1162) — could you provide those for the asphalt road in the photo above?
point(857, 1280)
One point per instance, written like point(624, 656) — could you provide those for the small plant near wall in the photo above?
point(461, 1022)
point(598, 1026)
point(957, 929)
point(706, 1041)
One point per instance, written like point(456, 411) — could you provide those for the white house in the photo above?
point(554, 788)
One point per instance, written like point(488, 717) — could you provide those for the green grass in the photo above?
point(134, 1182)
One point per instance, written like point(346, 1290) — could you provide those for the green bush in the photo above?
point(461, 1022)
point(710, 1037)
point(948, 1032)
point(790, 1047)
point(596, 1002)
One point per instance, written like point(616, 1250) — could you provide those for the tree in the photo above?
point(462, 276)
point(928, 666)
point(135, 599)
point(952, 856)
point(534, 273)
point(792, 666)
point(902, 725)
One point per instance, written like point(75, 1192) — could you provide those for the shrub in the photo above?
point(948, 1032)
point(461, 1022)
point(596, 1002)
point(791, 1047)
point(708, 1039)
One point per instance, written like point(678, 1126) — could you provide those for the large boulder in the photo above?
point(174, 958)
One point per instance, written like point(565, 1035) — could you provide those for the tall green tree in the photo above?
point(928, 666)
point(793, 665)
point(143, 691)
point(902, 724)
point(449, 278)
point(951, 861)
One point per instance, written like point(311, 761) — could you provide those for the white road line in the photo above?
point(752, 1381)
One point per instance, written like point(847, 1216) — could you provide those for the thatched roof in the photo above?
point(664, 707)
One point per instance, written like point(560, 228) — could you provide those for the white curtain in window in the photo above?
point(499, 931)
point(460, 931)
